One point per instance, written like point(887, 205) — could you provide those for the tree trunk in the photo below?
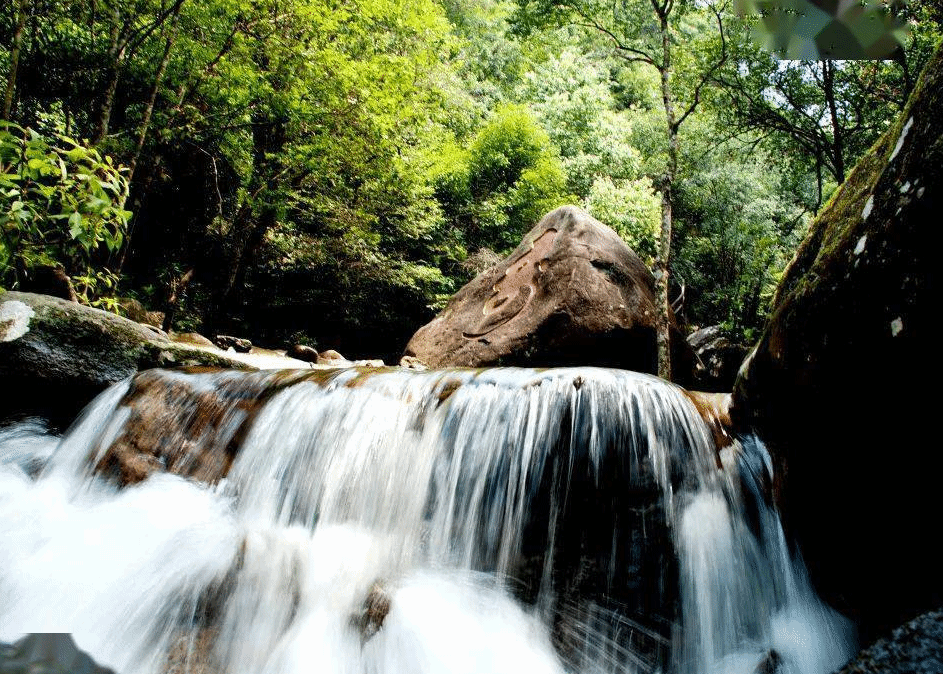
point(108, 103)
point(664, 239)
point(115, 55)
point(838, 144)
point(178, 288)
point(14, 59)
point(145, 124)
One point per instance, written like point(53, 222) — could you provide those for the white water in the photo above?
point(565, 487)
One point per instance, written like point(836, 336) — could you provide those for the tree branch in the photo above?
point(708, 74)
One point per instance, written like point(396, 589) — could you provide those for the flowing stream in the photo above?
point(503, 520)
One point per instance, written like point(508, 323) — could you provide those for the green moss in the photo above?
point(840, 224)
point(155, 354)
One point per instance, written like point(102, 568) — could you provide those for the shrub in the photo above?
point(61, 203)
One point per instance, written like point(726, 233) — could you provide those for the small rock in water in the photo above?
point(771, 664)
point(375, 609)
point(412, 363)
point(303, 352)
point(194, 338)
point(330, 357)
point(370, 362)
point(238, 344)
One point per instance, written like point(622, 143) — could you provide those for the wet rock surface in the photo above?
point(914, 648)
point(573, 293)
point(714, 408)
point(838, 384)
point(177, 424)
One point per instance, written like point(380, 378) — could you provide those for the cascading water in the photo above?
point(505, 520)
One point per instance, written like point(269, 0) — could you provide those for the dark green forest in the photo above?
point(330, 172)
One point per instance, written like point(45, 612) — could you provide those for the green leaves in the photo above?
point(60, 202)
point(632, 208)
point(506, 180)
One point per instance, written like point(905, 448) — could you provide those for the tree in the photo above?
point(826, 113)
point(499, 187)
point(17, 45)
point(647, 32)
point(740, 219)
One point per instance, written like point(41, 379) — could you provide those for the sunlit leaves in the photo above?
point(60, 202)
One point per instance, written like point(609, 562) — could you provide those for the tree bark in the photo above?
point(663, 262)
point(14, 59)
point(124, 41)
point(178, 288)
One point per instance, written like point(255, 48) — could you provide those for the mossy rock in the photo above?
point(837, 385)
point(50, 347)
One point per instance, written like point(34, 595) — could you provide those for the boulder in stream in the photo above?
point(56, 352)
point(237, 344)
point(573, 293)
point(841, 383)
point(303, 352)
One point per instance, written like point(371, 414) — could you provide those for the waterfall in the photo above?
point(505, 520)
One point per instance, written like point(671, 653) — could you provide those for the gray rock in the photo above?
point(914, 648)
point(237, 344)
point(47, 653)
point(717, 359)
point(51, 340)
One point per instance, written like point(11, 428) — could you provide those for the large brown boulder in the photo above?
point(573, 293)
point(840, 384)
